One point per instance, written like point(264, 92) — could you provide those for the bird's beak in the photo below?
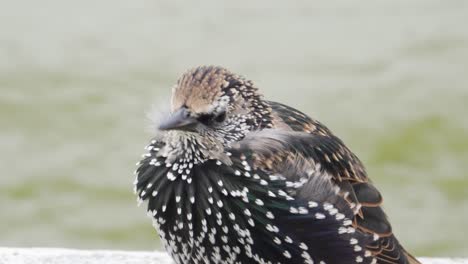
point(179, 120)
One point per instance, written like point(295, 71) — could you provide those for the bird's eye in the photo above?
point(221, 117)
point(206, 119)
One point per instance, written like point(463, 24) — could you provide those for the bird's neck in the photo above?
point(191, 147)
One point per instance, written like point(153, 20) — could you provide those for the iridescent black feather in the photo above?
point(239, 214)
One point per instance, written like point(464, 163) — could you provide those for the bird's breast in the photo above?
point(214, 212)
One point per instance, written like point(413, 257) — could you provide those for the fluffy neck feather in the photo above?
point(192, 147)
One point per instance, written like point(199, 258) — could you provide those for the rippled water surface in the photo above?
point(76, 77)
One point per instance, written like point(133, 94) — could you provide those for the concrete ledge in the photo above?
point(73, 256)
point(64, 256)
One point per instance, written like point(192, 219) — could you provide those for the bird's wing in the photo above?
point(329, 149)
point(302, 141)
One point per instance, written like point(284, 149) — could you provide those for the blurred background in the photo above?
point(77, 77)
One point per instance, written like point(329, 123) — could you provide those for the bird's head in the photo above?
point(211, 102)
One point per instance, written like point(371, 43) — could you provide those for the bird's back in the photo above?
point(346, 171)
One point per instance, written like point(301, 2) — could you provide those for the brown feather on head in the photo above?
point(198, 88)
point(210, 109)
point(211, 93)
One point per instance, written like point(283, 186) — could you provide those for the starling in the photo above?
point(232, 178)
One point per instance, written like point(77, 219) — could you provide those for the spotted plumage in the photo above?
point(232, 178)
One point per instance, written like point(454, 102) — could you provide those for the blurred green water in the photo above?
point(76, 79)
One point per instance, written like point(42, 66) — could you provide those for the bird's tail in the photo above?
point(411, 259)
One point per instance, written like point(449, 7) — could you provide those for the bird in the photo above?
point(230, 177)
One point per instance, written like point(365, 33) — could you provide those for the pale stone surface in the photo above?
point(64, 256)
